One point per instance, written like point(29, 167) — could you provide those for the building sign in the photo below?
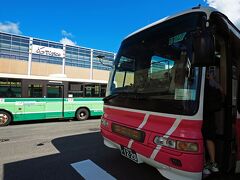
point(47, 51)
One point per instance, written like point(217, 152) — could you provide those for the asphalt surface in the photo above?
point(46, 150)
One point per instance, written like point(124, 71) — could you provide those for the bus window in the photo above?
point(103, 90)
point(54, 91)
point(92, 90)
point(75, 90)
point(35, 90)
point(124, 77)
point(96, 92)
point(10, 88)
point(159, 73)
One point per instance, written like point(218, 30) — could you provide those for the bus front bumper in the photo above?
point(166, 171)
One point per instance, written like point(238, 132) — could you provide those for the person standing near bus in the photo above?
point(213, 99)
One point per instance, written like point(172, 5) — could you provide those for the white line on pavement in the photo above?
point(90, 171)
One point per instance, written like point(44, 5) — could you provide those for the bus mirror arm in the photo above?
point(203, 49)
point(100, 59)
point(188, 69)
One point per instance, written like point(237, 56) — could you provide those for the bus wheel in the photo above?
point(82, 114)
point(5, 118)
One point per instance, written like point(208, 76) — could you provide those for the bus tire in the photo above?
point(5, 118)
point(82, 114)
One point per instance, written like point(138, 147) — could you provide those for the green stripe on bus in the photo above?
point(49, 99)
point(45, 108)
point(49, 115)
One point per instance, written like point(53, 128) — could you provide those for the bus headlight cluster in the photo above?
point(187, 146)
point(175, 144)
point(165, 142)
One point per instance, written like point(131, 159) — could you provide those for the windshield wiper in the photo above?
point(111, 96)
point(133, 95)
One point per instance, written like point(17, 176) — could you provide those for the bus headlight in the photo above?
point(175, 144)
point(165, 142)
point(187, 146)
point(104, 122)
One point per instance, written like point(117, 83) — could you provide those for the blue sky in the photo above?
point(94, 24)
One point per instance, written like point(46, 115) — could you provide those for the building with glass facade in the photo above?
point(28, 56)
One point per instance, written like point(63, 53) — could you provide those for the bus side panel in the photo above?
point(69, 109)
point(54, 107)
point(95, 106)
point(34, 109)
point(8, 104)
point(24, 108)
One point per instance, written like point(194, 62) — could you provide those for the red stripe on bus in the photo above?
point(133, 119)
point(189, 129)
point(158, 124)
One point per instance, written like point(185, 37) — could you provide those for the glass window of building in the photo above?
point(10, 88)
point(104, 63)
point(17, 47)
point(55, 45)
point(79, 57)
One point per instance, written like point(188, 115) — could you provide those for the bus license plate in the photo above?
point(130, 154)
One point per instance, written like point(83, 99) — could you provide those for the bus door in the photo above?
point(34, 106)
point(225, 74)
point(55, 101)
point(231, 124)
point(226, 134)
point(236, 116)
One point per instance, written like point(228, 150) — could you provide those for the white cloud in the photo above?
point(231, 8)
point(67, 41)
point(10, 27)
point(66, 34)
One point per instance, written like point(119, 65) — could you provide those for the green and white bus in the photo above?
point(39, 98)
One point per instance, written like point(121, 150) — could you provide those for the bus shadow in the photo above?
point(73, 149)
point(49, 121)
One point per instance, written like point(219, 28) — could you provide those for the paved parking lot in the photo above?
point(48, 150)
point(66, 150)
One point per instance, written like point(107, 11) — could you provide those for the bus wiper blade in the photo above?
point(133, 95)
point(107, 98)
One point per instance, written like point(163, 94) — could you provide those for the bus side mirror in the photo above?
point(203, 46)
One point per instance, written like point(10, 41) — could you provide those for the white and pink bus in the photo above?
point(153, 112)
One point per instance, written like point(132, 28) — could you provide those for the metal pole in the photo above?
point(30, 56)
point(91, 67)
point(64, 59)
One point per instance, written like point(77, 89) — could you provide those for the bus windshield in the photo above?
point(153, 69)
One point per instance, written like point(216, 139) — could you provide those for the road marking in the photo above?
point(90, 171)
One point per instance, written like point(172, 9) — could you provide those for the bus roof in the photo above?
point(207, 10)
point(51, 78)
